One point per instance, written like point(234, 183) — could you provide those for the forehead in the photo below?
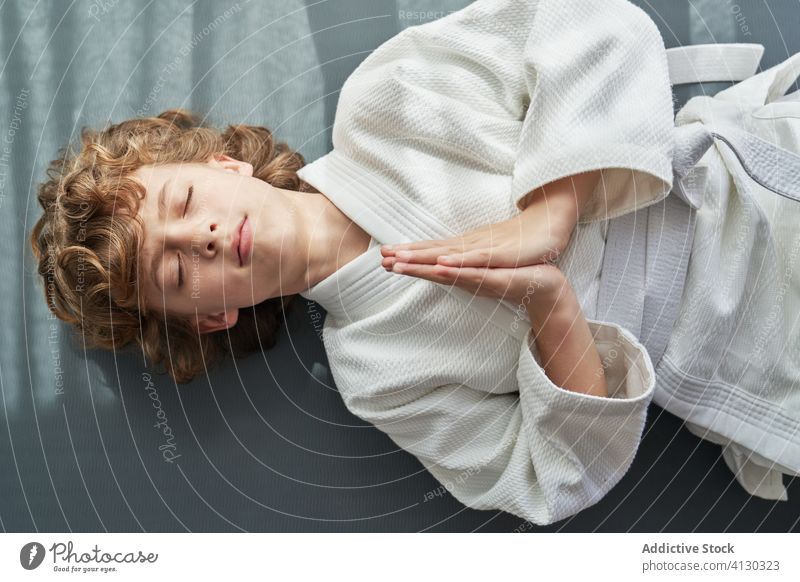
point(153, 175)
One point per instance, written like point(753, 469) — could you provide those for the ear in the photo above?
point(217, 321)
point(229, 164)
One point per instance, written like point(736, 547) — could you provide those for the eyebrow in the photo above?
point(156, 263)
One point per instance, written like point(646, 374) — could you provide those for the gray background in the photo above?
point(265, 443)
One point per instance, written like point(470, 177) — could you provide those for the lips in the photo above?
point(243, 243)
point(237, 235)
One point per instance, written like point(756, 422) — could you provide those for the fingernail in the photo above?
point(388, 247)
point(403, 254)
point(397, 268)
point(446, 258)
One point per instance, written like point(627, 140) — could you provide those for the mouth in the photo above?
point(237, 237)
point(243, 242)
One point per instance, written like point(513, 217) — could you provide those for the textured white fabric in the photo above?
point(732, 366)
point(713, 62)
point(443, 128)
point(757, 475)
point(471, 401)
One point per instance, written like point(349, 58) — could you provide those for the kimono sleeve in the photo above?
point(600, 98)
point(544, 453)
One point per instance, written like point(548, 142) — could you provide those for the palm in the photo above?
point(526, 239)
point(512, 283)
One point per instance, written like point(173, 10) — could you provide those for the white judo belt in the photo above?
point(647, 251)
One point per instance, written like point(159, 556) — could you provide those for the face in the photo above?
point(215, 239)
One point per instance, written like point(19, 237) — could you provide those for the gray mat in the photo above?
point(265, 443)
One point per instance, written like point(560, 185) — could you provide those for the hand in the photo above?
point(538, 234)
point(543, 281)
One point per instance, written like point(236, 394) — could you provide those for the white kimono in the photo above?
point(444, 128)
point(732, 366)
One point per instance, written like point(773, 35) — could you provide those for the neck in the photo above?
point(332, 239)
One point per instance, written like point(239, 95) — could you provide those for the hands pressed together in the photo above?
point(501, 260)
point(508, 259)
point(514, 259)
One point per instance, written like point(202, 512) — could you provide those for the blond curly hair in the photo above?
point(88, 240)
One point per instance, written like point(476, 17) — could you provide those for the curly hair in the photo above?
point(88, 240)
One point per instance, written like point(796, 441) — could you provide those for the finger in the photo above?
point(435, 273)
point(427, 256)
point(481, 281)
point(388, 262)
point(482, 257)
point(475, 280)
point(450, 243)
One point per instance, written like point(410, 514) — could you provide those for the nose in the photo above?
point(209, 245)
point(193, 238)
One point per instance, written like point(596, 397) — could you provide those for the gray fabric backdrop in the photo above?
point(265, 443)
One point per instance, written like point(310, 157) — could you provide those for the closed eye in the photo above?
point(188, 199)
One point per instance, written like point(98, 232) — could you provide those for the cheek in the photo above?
point(199, 280)
point(217, 279)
